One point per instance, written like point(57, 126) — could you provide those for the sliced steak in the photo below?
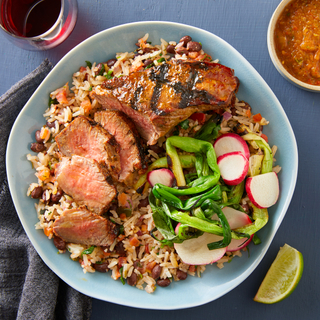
point(132, 155)
point(86, 138)
point(87, 182)
point(157, 99)
point(82, 226)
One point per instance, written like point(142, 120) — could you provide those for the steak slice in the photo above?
point(82, 226)
point(159, 98)
point(86, 138)
point(86, 182)
point(132, 155)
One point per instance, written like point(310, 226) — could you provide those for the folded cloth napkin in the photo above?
point(28, 289)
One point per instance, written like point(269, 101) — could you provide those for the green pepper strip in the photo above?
point(210, 129)
point(187, 161)
point(196, 146)
point(164, 194)
point(183, 233)
point(260, 217)
point(267, 161)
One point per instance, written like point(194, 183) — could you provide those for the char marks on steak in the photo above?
point(159, 98)
point(86, 181)
point(132, 155)
point(86, 138)
point(80, 225)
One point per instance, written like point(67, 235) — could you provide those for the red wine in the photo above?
point(15, 18)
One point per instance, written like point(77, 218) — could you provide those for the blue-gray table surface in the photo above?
point(242, 23)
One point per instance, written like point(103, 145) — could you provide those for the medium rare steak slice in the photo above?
point(86, 138)
point(86, 182)
point(157, 99)
point(132, 156)
point(80, 225)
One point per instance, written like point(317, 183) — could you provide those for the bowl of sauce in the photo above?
point(294, 42)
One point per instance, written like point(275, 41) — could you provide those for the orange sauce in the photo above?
point(297, 40)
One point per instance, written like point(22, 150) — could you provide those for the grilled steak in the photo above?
point(132, 157)
point(80, 225)
point(157, 99)
point(84, 137)
point(86, 182)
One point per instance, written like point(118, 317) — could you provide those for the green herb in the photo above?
point(109, 74)
point(112, 220)
point(121, 276)
point(87, 251)
point(149, 66)
point(90, 89)
point(49, 164)
point(149, 42)
point(184, 124)
point(121, 229)
point(52, 101)
point(89, 64)
point(101, 72)
point(161, 60)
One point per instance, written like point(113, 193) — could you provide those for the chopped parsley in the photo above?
point(89, 64)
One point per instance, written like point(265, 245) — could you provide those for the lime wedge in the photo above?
point(282, 277)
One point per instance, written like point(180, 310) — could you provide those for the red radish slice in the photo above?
point(196, 252)
point(163, 176)
point(233, 167)
point(263, 190)
point(237, 219)
point(231, 142)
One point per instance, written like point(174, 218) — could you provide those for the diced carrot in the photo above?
point(264, 137)
point(106, 254)
point(48, 231)
point(122, 199)
point(121, 237)
point(123, 216)
point(43, 174)
point(122, 261)
point(62, 96)
point(257, 117)
point(134, 242)
point(144, 228)
point(147, 249)
point(86, 105)
point(192, 268)
point(44, 132)
point(193, 55)
point(198, 116)
point(150, 266)
point(248, 113)
point(117, 274)
point(82, 69)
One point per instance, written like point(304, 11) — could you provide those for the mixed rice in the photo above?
point(140, 253)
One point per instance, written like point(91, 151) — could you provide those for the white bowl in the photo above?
point(273, 55)
point(193, 291)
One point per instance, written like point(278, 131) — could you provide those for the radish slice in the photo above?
point(195, 251)
point(236, 220)
point(263, 190)
point(233, 167)
point(231, 142)
point(163, 176)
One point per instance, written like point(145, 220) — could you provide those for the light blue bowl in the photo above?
point(183, 294)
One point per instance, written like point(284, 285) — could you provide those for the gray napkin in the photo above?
point(28, 288)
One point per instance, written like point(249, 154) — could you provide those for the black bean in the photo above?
point(194, 46)
point(55, 198)
point(171, 49)
point(101, 267)
point(51, 124)
point(139, 266)
point(45, 200)
point(156, 271)
point(100, 66)
point(37, 192)
point(37, 147)
point(132, 280)
point(181, 50)
point(111, 62)
point(59, 243)
point(147, 62)
point(143, 203)
point(119, 248)
point(37, 135)
point(185, 40)
point(163, 282)
point(181, 275)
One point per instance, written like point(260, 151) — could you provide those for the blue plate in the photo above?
point(183, 294)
